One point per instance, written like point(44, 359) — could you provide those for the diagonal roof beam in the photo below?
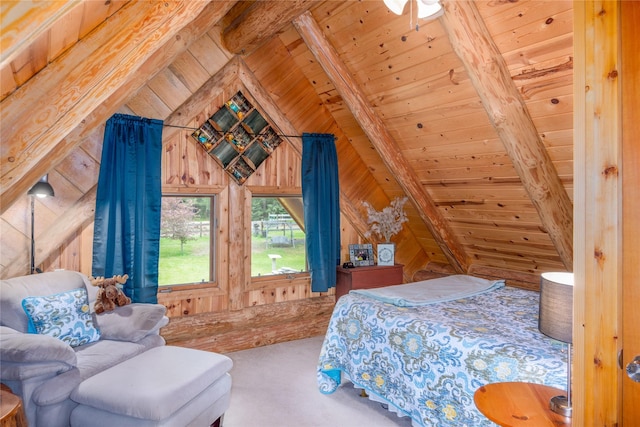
point(490, 76)
point(24, 21)
point(381, 139)
point(51, 154)
point(259, 22)
point(93, 128)
point(46, 117)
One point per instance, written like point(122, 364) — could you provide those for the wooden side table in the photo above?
point(373, 276)
point(11, 411)
point(517, 404)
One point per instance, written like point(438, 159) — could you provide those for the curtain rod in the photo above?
point(258, 134)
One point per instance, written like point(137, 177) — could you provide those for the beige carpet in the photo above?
point(275, 386)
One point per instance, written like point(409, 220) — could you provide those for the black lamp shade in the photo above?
point(556, 306)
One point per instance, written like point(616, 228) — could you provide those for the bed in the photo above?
point(425, 358)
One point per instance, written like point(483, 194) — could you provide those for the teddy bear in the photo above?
point(109, 295)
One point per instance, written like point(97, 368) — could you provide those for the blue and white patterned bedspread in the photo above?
point(427, 362)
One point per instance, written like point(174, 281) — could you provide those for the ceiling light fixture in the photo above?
point(426, 8)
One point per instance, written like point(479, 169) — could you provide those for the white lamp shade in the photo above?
point(556, 306)
point(429, 9)
point(396, 6)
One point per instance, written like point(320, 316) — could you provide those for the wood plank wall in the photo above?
point(240, 312)
point(467, 173)
point(237, 311)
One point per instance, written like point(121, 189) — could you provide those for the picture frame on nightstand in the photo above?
point(361, 255)
point(386, 253)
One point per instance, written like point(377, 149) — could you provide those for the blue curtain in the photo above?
point(126, 236)
point(321, 198)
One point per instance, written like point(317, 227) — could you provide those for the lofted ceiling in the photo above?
point(469, 115)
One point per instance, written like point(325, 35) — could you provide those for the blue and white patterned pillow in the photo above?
point(65, 316)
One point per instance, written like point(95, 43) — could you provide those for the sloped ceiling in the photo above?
point(469, 115)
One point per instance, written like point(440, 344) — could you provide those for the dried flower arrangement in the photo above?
point(387, 222)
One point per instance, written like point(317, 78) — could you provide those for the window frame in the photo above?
point(274, 280)
point(213, 281)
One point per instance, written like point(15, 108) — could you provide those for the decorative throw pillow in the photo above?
point(65, 316)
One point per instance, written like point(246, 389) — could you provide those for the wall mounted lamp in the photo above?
point(40, 189)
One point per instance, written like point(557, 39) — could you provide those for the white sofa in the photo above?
point(44, 370)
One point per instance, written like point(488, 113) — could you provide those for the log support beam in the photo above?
point(92, 127)
point(251, 327)
point(381, 139)
point(95, 77)
point(508, 113)
point(24, 21)
point(260, 22)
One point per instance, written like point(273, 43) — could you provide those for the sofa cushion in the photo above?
point(16, 289)
point(27, 348)
point(131, 322)
point(65, 316)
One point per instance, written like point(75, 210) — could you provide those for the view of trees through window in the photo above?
point(186, 240)
point(277, 236)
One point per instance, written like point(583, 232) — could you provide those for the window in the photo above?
point(277, 235)
point(186, 240)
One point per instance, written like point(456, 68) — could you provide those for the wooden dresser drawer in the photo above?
point(374, 276)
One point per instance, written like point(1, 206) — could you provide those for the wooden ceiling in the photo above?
point(469, 115)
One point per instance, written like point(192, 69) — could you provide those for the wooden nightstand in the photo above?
point(518, 404)
point(373, 276)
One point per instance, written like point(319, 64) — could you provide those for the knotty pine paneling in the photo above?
point(80, 169)
point(542, 24)
point(422, 93)
point(413, 81)
point(169, 88)
point(20, 241)
point(190, 71)
point(208, 53)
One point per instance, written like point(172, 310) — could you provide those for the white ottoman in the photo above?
point(165, 386)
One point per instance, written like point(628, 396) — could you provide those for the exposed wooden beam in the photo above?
point(160, 59)
point(49, 115)
point(53, 77)
point(251, 327)
point(260, 22)
point(508, 113)
point(24, 21)
point(82, 212)
point(381, 139)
